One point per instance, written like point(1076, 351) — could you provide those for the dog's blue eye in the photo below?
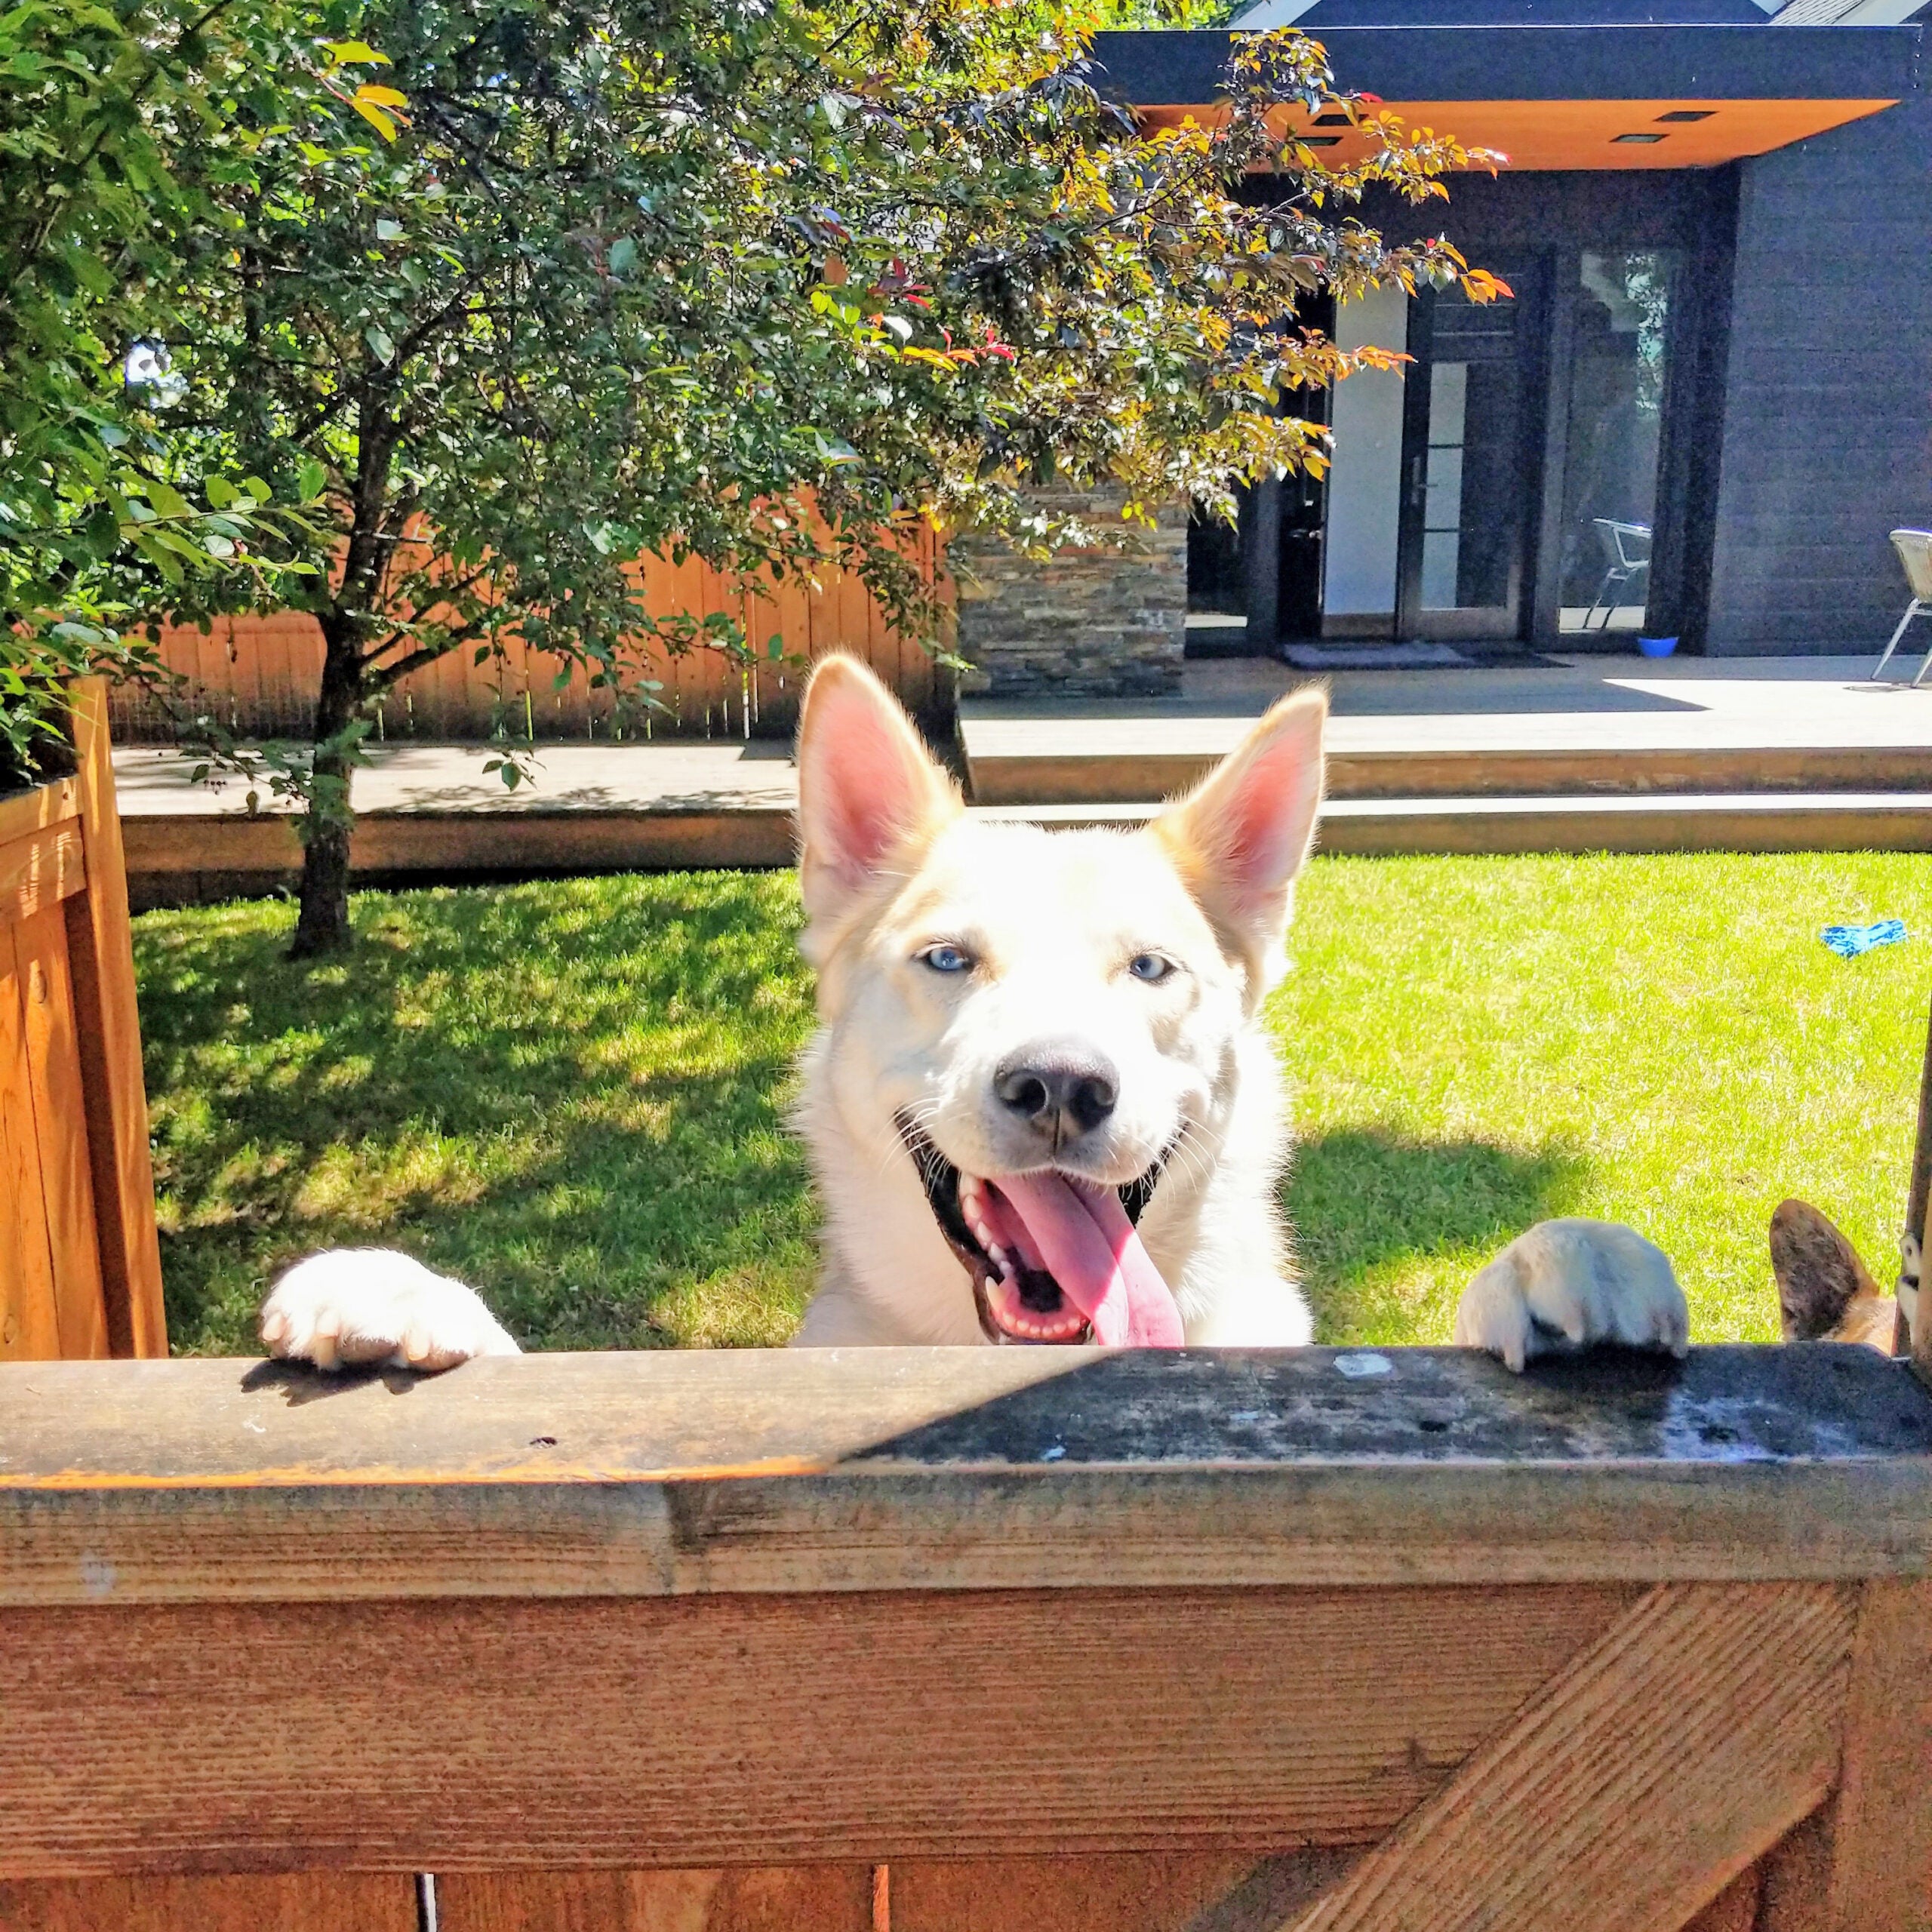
point(947, 959)
point(1150, 966)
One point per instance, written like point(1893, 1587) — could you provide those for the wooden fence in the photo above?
point(969, 1641)
point(80, 1269)
point(261, 672)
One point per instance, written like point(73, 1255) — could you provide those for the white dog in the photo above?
point(1040, 1105)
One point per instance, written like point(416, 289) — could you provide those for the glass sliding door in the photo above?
point(1467, 456)
point(1618, 374)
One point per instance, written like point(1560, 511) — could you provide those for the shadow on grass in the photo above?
point(1363, 1202)
point(573, 1098)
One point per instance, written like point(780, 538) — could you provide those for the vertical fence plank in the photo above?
point(108, 1023)
point(60, 1105)
point(1881, 1849)
point(1120, 1892)
point(259, 672)
point(1735, 1909)
point(300, 1901)
point(797, 1898)
point(1796, 1876)
point(30, 1329)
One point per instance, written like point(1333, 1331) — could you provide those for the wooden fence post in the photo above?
point(100, 950)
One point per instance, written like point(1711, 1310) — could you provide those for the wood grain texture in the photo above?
point(794, 1898)
point(1882, 1855)
point(30, 1321)
point(1795, 1890)
point(1735, 1909)
point(109, 1022)
point(297, 1902)
point(23, 813)
point(1635, 1787)
point(40, 870)
point(447, 1736)
point(679, 1472)
point(61, 1114)
point(1197, 1892)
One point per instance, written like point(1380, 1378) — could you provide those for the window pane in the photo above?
point(1610, 480)
point(1475, 402)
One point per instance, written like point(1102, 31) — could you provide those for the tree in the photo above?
point(124, 128)
point(765, 283)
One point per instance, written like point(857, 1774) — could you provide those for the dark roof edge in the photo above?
point(1178, 68)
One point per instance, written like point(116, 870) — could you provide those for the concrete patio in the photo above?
point(1593, 753)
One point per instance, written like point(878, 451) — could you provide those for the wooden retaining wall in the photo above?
point(80, 1268)
point(969, 1641)
point(261, 672)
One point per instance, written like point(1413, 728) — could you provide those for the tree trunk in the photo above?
point(322, 926)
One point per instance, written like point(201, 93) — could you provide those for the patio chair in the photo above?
point(1626, 563)
point(1914, 549)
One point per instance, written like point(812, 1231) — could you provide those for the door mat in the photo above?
point(1410, 656)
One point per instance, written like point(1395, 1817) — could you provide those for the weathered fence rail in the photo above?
point(80, 1267)
point(998, 1641)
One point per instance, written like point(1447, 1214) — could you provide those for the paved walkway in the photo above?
point(1583, 702)
point(1594, 754)
point(446, 779)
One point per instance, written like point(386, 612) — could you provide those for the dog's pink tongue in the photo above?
point(1088, 1245)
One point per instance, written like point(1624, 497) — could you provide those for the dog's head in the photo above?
point(1042, 1021)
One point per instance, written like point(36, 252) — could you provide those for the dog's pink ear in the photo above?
point(867, 790)
point(1240, 838)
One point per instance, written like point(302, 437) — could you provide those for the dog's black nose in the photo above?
point(1063, 1089)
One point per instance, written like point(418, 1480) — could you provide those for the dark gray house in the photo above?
point(1708, 403)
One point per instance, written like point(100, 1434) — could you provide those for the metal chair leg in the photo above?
point(1613, 580)
point(1913, 610)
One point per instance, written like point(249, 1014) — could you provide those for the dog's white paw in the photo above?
point(1569, 1284)
point(373, 1305)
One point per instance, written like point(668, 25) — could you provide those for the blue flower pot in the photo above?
point(1656, 647)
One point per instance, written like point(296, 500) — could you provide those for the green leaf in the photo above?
point(168, 501)
point(379, 345)
point(623, 255)
point(349, 53)
point(388, 231)
point(221, 492)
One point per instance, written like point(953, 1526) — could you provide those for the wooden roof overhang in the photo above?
point(1553, 98)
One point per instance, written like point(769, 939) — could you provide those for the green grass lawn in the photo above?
point(574, 1092)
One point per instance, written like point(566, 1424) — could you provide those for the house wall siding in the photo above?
point(1827, 434)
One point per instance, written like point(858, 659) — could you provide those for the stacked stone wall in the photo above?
point(1100, 623)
